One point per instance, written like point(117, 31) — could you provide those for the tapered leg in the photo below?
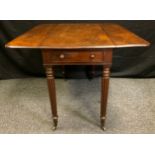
point(104, 94)
point(52, 94)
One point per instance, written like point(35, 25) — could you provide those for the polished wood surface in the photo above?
point(52, 94)
point(77, 44)
point(77, 36)
point(78, 57)
point(104, 93)
point(122, 37)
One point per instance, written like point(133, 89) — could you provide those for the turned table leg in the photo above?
point(52, 94)
point(104, 94)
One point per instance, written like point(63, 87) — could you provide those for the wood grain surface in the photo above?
point(77, 36)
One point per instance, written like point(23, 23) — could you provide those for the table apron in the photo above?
point(77, 57)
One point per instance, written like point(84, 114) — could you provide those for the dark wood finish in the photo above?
point(78, 57)
point(104, 93)
point(75, 36)
point(121, 37)
point(52, 94)
point(77, 44)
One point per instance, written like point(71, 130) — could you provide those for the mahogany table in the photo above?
point(77, 44)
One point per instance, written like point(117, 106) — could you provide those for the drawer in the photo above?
point(73, 57)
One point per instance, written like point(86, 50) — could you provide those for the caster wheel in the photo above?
point(103, 128)
point(54, 128)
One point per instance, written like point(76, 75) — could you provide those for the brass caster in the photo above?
point(54, 128)
point(103, 123)
point(103, 128)
point(55, 123)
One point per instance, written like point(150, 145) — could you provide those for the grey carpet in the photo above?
point(25, 108)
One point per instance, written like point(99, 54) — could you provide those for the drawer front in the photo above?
point(74, 57)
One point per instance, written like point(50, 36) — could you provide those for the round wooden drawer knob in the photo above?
point(62, 56)
point(92, 56)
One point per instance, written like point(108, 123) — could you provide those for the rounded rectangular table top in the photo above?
point(77, 36)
